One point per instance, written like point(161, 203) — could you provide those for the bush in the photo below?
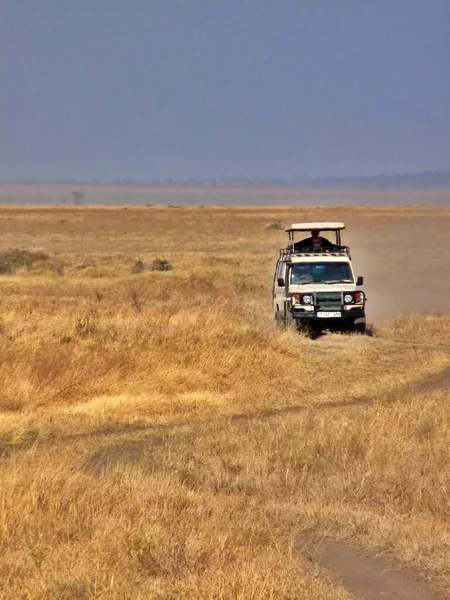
point(138, 267)
point(11, 260)
point(160, 264)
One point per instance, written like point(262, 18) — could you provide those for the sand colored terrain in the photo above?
point(160, 438)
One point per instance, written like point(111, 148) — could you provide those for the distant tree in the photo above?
point(77, 197)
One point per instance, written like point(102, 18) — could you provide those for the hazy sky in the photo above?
point(117, 89)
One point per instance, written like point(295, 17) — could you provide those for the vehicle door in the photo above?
point(279, 291)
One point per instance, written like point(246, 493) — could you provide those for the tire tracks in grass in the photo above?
point(368, 574)
point(439, 381)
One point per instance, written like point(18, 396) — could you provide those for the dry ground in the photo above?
point(161, 439)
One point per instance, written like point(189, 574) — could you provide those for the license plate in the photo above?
point(329, 314)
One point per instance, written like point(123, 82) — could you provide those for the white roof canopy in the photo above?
point(325, 226)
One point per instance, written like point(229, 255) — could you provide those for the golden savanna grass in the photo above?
point(160, 438)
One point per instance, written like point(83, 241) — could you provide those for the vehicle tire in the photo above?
point(359, 328)
point(279, 320)
point(289, 320)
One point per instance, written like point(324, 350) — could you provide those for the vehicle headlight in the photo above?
point(307, 299)
point(348, 298)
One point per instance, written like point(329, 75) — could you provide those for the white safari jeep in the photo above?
point(314, 285)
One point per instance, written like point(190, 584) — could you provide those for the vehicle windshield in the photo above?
point(337, 272)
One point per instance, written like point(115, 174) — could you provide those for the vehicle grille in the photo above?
point(329, 299)
point(328, 296)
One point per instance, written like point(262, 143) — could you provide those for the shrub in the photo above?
point(160, 264)
point(138, 267)
point(11, 260)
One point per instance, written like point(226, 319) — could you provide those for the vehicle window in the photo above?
point(303, 273)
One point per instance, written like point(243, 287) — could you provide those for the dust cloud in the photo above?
point(404, 258)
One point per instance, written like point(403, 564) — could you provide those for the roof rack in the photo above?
point(333, 251)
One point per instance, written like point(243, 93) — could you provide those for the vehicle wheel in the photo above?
point(360, 328)
point(279, 320)
point(289, 320)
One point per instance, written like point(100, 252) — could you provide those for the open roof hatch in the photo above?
point(325, 226)
point(320, 226)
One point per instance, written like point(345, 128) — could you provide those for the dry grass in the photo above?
point(161, 439)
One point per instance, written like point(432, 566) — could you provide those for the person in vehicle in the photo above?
point(315, 241)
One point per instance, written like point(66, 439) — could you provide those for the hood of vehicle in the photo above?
point(323, 287)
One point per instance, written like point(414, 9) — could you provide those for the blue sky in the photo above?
point(142, 89)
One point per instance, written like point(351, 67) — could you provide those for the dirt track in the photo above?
point(366, 573)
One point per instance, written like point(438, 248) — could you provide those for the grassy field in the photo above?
point(160, 438)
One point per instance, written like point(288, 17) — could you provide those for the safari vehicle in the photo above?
point(315, 288)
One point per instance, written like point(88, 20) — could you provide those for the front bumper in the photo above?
point(355, 315)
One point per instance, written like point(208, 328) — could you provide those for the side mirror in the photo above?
point(360, 280)
point(280, 282)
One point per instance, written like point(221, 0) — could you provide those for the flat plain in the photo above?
point(160, 438)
